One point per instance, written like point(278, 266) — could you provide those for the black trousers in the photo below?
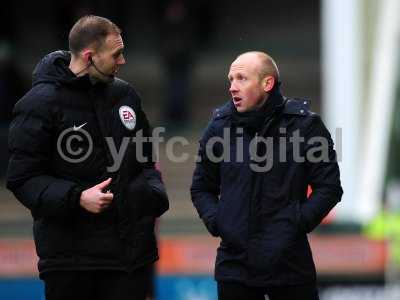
point(237, 291)
point(97, 285)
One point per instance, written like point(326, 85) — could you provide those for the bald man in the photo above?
point(258, 155)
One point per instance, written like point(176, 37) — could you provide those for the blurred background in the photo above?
point(343, 55)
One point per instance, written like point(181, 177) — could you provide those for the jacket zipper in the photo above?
point(254, 188)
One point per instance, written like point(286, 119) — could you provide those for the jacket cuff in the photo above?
point(210, 220)
point(147, 200)
point(74, 197)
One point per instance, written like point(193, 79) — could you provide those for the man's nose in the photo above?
point(122, 60)
point(233, 87)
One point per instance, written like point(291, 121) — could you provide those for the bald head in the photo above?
point(264, 63)
point(252, 77)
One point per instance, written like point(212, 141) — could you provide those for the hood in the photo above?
point(53, 68)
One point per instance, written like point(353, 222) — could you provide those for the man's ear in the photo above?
point(87, 55)
point(268, 83)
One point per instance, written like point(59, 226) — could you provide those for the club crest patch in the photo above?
point(128, 117)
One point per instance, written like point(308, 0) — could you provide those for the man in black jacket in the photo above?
point(93, 210)
point(257, 156)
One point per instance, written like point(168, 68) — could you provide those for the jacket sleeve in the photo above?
point(205, 187)
point(28, 175)
point(322, 174)
point(159, 203)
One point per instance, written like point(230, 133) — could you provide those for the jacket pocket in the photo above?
point(143, 239)
point(232, 223)
point(276, 234)
point(53, 238)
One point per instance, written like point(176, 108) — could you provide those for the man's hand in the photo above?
point(94, 199)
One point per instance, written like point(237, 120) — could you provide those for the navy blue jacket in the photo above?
point(263, 217)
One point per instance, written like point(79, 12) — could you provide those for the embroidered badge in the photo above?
point(128, 117)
